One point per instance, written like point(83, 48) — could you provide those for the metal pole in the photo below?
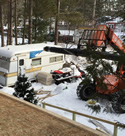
point(73, 116)
point(44, 105)
point(115, 129)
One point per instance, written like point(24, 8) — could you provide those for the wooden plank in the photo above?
point(98, 124)
point(49, 95)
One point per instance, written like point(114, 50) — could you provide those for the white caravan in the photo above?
point(26, 59)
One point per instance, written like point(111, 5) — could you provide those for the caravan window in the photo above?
point(21, 62)
point(4, 64)
point(36, 61)
point(56, 59)
point(59, 58)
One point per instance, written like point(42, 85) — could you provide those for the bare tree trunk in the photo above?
point(94, 8)
point(11, 22)
point(24, 23)
point(30, 21)
point(35, 29)
point(56, 22)
point(1, 22)
point(50, 27)
point(8, 31)
point(15, 22)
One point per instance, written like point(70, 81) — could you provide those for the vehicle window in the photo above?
point(56, 59)
point(21, 62)
point(4, 64)
point(36, 61)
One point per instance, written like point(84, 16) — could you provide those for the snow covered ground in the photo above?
point(65, 96)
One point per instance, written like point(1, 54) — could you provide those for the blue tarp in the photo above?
point(34, 54)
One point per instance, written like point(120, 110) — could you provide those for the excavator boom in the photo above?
point(84, 53)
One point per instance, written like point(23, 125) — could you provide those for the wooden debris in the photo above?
point(98, 124)
point(43, 92)
point(49, 95)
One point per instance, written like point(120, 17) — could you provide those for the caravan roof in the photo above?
point(10, 50)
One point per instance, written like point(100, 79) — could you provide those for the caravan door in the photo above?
point(21, 67)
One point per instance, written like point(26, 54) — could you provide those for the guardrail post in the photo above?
point(115, 129)
point(44, 105)
point(73, 116)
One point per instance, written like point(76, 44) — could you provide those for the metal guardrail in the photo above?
point(74, 113)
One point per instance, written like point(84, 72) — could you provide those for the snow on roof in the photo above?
point(108, 17)
point(115, 20)
point(66, 32)
point(11, 50)
point(5, 27)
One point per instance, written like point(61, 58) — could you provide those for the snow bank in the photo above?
point(60, 89)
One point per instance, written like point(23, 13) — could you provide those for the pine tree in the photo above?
point(42, 12)
point(23, 89)
point(70, 13)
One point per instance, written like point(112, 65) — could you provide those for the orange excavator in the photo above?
point(115, 83)
point(101, 37)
